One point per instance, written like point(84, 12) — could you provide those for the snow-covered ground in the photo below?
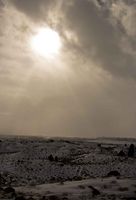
point(67, 168)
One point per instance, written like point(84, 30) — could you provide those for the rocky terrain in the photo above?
point(67, 168)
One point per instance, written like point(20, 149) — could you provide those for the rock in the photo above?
point(56, 159)
point(113, 173)
point(50, 158)
point(2, 180)
point(20, 198)
point(1, 189)
point(54, 197)
point(121, 153)
point(131, 150)
point(44, 198)
point(7, 193)
point(2, 193)
point(95, 192)
point(9, 190)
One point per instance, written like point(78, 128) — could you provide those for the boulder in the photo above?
point(131, 150)
point(121, 153)
point(113, 173)
point(95, 192)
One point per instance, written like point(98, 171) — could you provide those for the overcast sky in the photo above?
point(89, 90)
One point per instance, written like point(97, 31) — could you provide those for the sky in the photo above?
point(89, 88)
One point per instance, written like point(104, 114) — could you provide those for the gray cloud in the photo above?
point(99, 38)
point(90, 91)
point(36, 10)
point(1, 3)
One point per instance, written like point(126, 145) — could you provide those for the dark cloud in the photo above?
point(99, 39)
point(36, 10)
point(1, 3)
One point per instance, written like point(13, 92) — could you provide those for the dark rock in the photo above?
point(56, 159)
point(113, 173)
point(1, 189)
point(131, 150)
point(4, 195)
point(9, 190)
point(54, 197)
point(44, 198)
point(99, 145)
point(2, 180)
point(121, 153)
point(20, 198)
point(95, 192)
point(50, 158)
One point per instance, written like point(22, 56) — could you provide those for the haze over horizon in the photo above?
point(83, 83)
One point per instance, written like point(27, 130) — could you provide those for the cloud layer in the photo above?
point(90, 89)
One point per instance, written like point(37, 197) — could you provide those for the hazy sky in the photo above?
point(89, 89)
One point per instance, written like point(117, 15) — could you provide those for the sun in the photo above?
point(46, 42)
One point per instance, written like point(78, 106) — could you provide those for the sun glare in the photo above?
point(46, 42)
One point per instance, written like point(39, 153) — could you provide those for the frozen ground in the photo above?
point(62, 168)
